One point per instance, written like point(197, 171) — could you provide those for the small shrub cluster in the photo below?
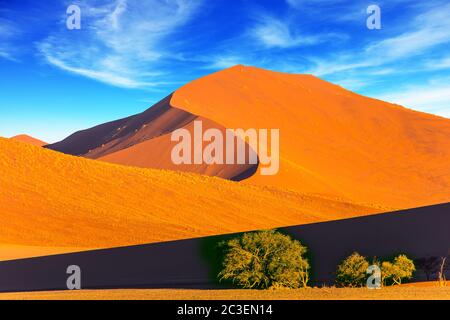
point(352, 272)
point(395, 272)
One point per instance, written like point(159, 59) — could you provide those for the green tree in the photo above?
point(265, 259)
point(400, 269)
point(352, 271)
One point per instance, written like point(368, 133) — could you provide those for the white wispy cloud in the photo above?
point(225, 61)
point(122, 43)
point(103, 76)
point(416, 48)
point(299, 4)
point(429, 97)
point(425, 32)
point(8, 31)
point(428, 30)
point(438, 64)
point(339, 64)
point(345, 11)
point(351, 83)
point(277, 33)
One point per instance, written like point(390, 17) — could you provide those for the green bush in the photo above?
point(265, 259)
point(395, 272)
point(352, 271)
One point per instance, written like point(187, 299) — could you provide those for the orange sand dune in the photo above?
point(428, 284)
point(49, 199)
point(27, 139)
point(332, 141)
point(13, 252)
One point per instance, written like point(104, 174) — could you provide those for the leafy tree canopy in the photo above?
point(265, 259)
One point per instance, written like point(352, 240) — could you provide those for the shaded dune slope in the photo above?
point(156, 153)
point(143, 140)
point(51, 199)
point(116, 135)
point(332, 141)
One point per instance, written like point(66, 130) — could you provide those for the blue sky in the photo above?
point(131, 53)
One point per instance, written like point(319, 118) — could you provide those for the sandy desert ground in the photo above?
point(412, 292)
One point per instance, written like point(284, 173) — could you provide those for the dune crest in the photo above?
point(28, 139)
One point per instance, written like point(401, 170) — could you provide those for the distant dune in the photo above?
point(27, 139)
point(49, 199)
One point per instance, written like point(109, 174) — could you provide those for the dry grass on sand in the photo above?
point(393, 293)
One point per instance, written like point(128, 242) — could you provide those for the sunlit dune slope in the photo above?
point(27, 139)
point(332, 141)
point(144, 140)
point(54, 200)
point(13, 252)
